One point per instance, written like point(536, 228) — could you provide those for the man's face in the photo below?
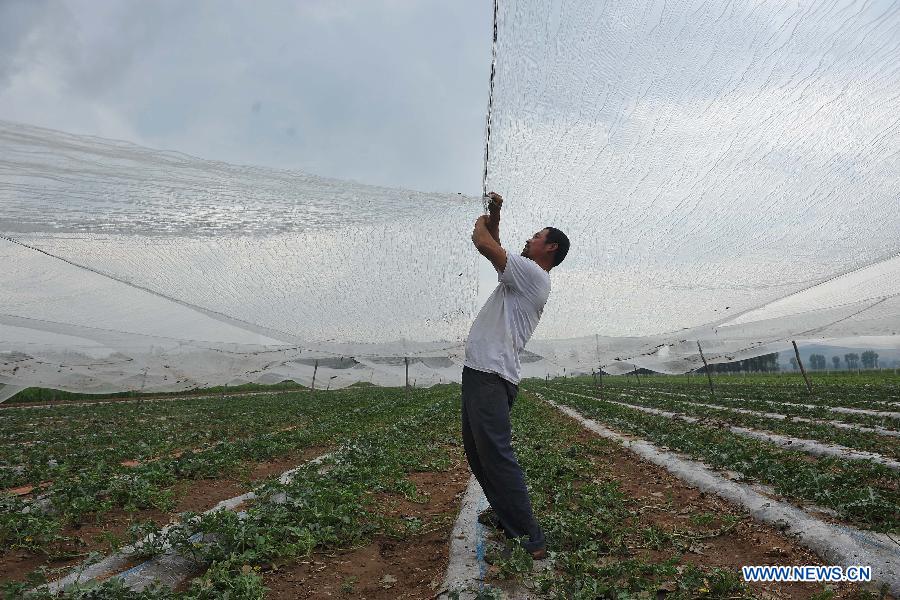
point(536, 246)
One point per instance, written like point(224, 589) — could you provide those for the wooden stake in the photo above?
point(315, 369)
point(144, 382)
point(598, 374)
point(802, 370)
point(712, 392)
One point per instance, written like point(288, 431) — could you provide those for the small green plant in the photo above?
point(655, 538)
point(147, 539)
point(110, 539)
point(348, 584)
point(825, 594)
point(703, 519)
point(511, 560)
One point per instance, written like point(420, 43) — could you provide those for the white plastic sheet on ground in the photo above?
point(726, 173)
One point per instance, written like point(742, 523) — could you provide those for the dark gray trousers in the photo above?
point(486, 402)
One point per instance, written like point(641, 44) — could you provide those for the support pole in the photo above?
point(406, 361)
point(598, 390)
point(487, 142)
point(802, 370)
point(712, 392)
point(315, 369)
point(144, 382)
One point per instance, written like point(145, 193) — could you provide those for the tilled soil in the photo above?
point(386, 568)
point(389, 568)
point(143, 398)
point(667, 503)
point(111, 528)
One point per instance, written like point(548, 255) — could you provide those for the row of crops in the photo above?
point(73, 467)
point(824, 430)
point(866, 389)
point(861, 492)
point(78, 465)
point(378, 437)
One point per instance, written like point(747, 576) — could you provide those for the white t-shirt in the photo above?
point(508, 318)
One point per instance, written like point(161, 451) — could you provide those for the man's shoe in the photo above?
point(505, 553)
point(489, 518)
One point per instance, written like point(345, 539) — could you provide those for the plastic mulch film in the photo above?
point(726, 174)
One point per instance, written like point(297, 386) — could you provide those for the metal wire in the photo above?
point(487, 141)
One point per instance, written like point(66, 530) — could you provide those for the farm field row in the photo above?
point(53, 523)
point(621, 527)
point(862, 493)
point(796, 405)
point(373, 519)
point(32, 449)
point(43, 396)
point(826, 432)
point(360, 490)
point(867, 389)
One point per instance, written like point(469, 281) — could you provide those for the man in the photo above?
point(491, 370)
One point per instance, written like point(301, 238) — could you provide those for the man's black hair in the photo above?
point(555, 236)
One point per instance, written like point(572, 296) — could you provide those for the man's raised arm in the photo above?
point(493, 224)
point(488, 243)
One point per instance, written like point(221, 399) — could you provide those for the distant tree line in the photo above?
point(852, 360)
point(768, 363)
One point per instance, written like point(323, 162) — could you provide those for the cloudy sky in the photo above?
point(388, 92)
point(700, 160)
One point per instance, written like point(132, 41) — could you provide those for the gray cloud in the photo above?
point(18, 19)
point(390, 93)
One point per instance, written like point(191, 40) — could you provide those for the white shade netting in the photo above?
point(727, 174)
